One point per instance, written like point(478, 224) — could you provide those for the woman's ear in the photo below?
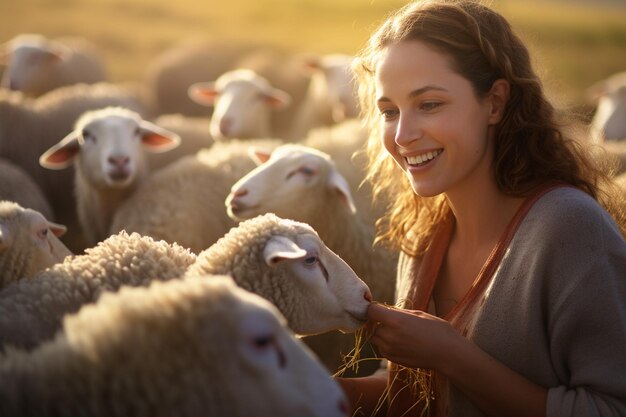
point(498, 97)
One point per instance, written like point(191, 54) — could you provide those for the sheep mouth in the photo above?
point(361, 318)
point(239, 209)
point(119, 176)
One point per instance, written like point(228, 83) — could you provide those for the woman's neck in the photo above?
point(482, 213)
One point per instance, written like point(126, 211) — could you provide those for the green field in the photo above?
point(573, 45)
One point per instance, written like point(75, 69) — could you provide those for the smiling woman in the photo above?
point(493, 201)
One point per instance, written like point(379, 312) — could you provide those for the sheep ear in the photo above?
point(337, 182)
point(310, 64)
point(259, 155)
point(203, 93)
point(279, 248)
point(55, 51)
point(156, 139)
point(5, 238)
point(596, 91)
point(62, 154)
point(57, 229)
point(276, 99)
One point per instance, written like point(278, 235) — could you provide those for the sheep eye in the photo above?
point(262, 342)
point(137, 132)
point(88, 136)
point(43, 233)
point(307, 171)
point(311, 260)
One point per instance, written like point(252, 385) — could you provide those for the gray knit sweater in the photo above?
point(555, 309)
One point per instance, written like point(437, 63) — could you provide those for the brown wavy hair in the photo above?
point(534, 143)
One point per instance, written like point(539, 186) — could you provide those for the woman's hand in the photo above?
point(413, 338)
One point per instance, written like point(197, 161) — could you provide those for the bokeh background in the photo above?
point(574, 42)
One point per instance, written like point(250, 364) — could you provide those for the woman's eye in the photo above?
point(388, 114)
point(430, 105)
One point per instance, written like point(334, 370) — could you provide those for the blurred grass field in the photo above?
point(574, 43)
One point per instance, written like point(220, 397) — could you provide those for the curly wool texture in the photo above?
point(239, 254)
point(14, 263)
point(170, 349)
point(31, 310)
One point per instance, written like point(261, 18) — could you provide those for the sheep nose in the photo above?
point(119, 161)
point(368, 296)
point(343, 408)
point(239, 193)
point(225, 125)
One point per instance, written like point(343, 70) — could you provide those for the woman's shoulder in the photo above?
point(566, 213)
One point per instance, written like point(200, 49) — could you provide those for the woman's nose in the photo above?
point(407, 130)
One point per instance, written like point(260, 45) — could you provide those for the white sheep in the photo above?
point(107, 149)
point(28, 243)
point(16, 185)
point(281, 260)
point(170, 74)
point(243, 103)
point(278, 75)
point(302, 183)
point(609, 120)
point(36, 64)
point(184, 201)
point(28, 127)
point(193, 347)
point(287, 263)
point(331, 95)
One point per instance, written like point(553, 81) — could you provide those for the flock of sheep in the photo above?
point(166, 246)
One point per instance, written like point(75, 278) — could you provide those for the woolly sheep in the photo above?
point(331, 95)
point(308, 304)
point(609, 120)
point(16, 185)
point(260, 254)
point(192, 347)
point(107, 149)
point(287, 263)
point(28, 242)
point(302, 183)
point(28, 127)
point(243, 103)
point(31, 310)
point(170, 74)
point(272, 73)
point(184, 201)
point(36, 65)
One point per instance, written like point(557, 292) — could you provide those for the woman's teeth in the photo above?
point(421, 159)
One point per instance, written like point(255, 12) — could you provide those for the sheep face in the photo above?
point(203, 344)
point(325, 294)
point(242, 104)
point(272, 364)
point(28, 242)
point(107, 147)
point(29, 57)
point(292, 183)
point(337, 73)
point(609, 120)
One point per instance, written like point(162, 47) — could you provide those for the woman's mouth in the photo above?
point(423, 159)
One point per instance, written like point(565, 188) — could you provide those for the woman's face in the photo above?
point(434, 126)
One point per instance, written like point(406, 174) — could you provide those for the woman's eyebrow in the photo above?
point(415, 93)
